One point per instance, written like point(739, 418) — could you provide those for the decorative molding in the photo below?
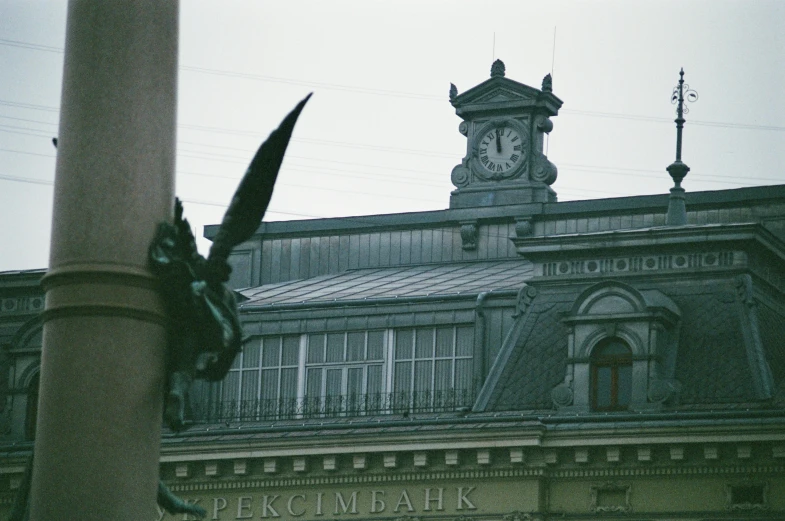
point(460, 176)
point(614, 490)
point(642, 263)
point(524, 299)
point(21, 305)
point(390, 460)
point(497, 69)
point(517, 456)
point(677, 452)
point(744, 451)
point(524, 226)
point(644, 454)
point(360, 461)
point(562, 395)
point(762, 378)
point(181, 470)
point(581, 455)
point(735, 489)
point(547, 83)
point(469, 232)
point(270, 466)
point(451, 457)
point(241, 467)
point(673, 470)
point(420, 459)
point(355, 479)
point(711, 452)
point(483, 457)
point(609, 462)
point(613, 454)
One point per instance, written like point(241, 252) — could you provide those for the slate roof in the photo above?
point(712, 362)
point(402, 282)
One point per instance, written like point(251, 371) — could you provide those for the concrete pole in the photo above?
point(102, 374)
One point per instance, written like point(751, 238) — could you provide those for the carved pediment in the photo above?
point(497, 90)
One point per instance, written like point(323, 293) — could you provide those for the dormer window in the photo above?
point(611, 376)
point(621, 350)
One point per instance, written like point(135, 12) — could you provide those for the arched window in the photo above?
point(611, 376)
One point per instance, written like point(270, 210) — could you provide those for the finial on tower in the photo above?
point(677, 209)
point(497, 69)
point(547, 83)
point(453, 91)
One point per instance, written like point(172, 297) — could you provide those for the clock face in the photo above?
point(500, 150)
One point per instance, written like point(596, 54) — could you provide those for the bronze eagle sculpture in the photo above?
point(203, 331)
point(204, 334)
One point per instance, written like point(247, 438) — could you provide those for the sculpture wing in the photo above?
point(250, 201)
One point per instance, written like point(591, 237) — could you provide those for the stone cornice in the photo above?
point(558, 436)
point(650, 240)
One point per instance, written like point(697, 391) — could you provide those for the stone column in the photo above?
point(102, 374)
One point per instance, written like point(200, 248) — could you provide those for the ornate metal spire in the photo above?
point(677, 210)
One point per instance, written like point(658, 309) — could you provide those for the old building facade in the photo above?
point(509, 358)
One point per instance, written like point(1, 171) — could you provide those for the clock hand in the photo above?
point(498, 141)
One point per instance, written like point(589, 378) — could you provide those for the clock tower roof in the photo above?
point(499, 94)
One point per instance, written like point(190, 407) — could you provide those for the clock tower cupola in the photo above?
point(504, 123)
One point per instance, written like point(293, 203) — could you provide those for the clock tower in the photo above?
point(504, 123)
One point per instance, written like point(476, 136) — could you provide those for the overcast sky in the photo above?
point(379, 135)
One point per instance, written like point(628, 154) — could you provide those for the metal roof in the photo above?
point(403, 282)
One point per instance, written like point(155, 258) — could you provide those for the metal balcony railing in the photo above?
point(334, 406)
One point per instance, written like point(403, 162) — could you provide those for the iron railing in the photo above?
point(334, 406)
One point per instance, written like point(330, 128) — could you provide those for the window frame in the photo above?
point(377, 384)
point(614, 362)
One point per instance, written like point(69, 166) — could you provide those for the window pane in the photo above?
point(289, 383)
point(422, 375)
point(465, 341)
point(334, 377)
point(375, 379)
point(333, 398)
point(603, 387)
point(354, 384)
point(444, 341)
point(269, 384)
point(251, 352)
point(375, 345)
point(463, 375)
point(271, 348)
point(403, 344)
point(442, 375)
point(335, 347)
point(315, 348)
point(291, 350)
point(355, 344)
point(625, 385)
point(313, 382)
point(250, 386)
point(424, 347)
point(230, 389)
point(402, 379)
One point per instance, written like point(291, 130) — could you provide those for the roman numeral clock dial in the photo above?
point(500, 151)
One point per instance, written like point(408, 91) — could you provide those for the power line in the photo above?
point(383, 92)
